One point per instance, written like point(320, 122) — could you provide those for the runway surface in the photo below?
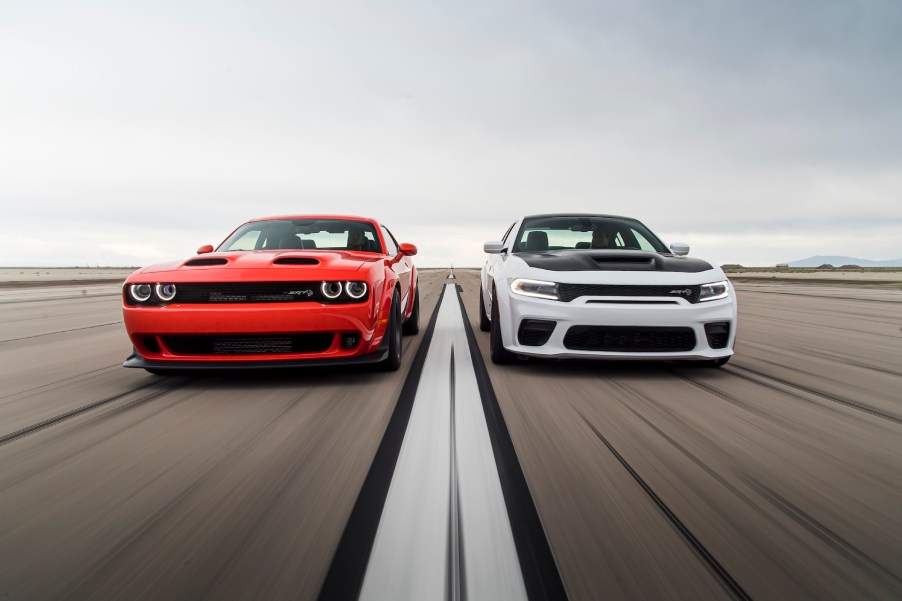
point(778, 476)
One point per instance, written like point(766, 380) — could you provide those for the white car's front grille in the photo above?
point(568, 292)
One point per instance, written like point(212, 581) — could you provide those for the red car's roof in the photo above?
point(340, 217)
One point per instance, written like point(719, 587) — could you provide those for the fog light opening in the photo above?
point(349, 341)
point(535, 332)
point(151, 344)
point(717, 333)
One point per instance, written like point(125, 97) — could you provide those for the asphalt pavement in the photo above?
point(778, 476)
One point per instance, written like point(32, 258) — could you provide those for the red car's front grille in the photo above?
point(248, 292)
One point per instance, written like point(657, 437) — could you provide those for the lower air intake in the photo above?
point(249, 344)
point(630, 339)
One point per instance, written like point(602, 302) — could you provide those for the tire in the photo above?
point(484, 324)
point(500, 355)
point(393, 331)
point(412, 325)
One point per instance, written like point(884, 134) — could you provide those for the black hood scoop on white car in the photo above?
point(611, 260)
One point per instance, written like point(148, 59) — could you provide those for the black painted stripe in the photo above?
point(727, 581)
point(57, 298)
point(344, 579)
point(100, 325)
point(540, 574)
point(813, 391)
point(28, 430)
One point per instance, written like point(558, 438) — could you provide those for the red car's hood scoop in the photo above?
point(206, 262)
point(262, 259)
point(295, 261)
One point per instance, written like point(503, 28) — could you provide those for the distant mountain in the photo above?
point(819, 260)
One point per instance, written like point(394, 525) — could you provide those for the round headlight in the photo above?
point(331, 290)
point(355, 290)
point(166, 292)
point(140, 292)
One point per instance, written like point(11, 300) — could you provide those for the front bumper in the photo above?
point(618, 312)
point(149, 328)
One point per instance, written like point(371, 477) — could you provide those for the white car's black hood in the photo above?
point(611, 260)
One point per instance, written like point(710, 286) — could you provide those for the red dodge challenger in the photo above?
point(280, 291)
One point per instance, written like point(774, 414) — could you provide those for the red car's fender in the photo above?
point(383, 301)
point(411, 298)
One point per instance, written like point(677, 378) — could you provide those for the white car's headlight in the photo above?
point(714, 291)
point(535, 288)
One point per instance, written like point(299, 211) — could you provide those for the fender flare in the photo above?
point(412, 293)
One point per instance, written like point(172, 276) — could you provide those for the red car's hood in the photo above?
point(307, 260)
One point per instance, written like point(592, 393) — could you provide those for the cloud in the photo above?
point(162, 126)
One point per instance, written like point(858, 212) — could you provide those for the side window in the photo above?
point(390, 243)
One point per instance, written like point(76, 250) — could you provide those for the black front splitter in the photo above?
point(136, 360)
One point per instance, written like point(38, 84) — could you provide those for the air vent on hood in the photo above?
point(640, 260)
point(206, 262)
point(296, 261)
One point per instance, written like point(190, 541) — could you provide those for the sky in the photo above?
point(758, 132)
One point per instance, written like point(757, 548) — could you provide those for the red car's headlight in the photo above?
point(355, 290)
point(140, 292)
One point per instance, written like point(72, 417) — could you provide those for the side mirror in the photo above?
point(408, 250)
point(680, 248)
point(206, 248)
point(493, 247)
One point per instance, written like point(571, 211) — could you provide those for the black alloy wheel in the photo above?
point(412, 325)
point(393, 331)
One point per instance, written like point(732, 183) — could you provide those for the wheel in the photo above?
point(393, 361)
point(412, 325)
point(484, 324)
point(498, 352)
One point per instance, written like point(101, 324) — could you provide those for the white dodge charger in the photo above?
point(602, 286)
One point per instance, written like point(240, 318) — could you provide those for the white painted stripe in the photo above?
point(410, 557)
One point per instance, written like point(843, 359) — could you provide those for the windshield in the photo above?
point(304, 234)
point(577, 232)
